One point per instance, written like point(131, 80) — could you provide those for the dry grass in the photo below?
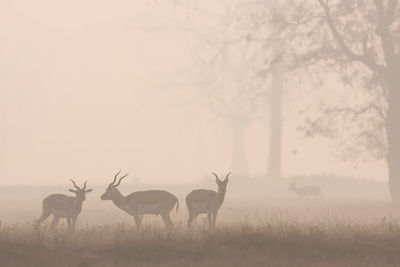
point(253, 230)
point(276, 242)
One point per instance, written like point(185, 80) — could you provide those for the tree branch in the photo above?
point(364, 58)
point(358, 112)
point(382, 28)
point(324, 125)
point(305, 21)
point(391, 10)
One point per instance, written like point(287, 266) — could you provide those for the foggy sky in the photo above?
point(88, 87)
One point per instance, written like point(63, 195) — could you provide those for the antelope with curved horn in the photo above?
point(155, 202)
point(63, 206)
point(306, 191)
point(206, 201)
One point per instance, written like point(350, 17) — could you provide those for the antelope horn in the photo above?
point(227, 175)
point(84, 185)
point(120, 179)
point(77, 187)
point(115, 178)
point(216, 176)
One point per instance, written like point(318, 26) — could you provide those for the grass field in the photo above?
point(251, 230)
point(275, 242)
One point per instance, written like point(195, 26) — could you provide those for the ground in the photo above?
point(252, 230)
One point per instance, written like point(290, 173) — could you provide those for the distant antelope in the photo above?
point(63, 206)
point(206, 201)
point(306, 191)
point(156, 202)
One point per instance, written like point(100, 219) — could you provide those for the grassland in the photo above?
point(331, 242)
point(253, 230)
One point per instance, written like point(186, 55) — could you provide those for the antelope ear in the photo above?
point(72, 190)
point(89, 190)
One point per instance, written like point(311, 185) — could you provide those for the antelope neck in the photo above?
point(220, 197)
point(118, 198)
point(78, 203)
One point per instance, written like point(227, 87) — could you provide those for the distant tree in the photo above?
point(276, 69)
point(359, 40)
point(227, 69)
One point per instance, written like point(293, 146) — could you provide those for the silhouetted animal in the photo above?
point(63, 206)
point(306, 191)
point(206, 201)
point(156, 202)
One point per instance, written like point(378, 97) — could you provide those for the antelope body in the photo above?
point(206, 201)
point(154, 202)
point(63, 206)
point(306, 191)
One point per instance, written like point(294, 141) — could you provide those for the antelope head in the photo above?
point(80, 193)
point(112, 188)
point(221, 184)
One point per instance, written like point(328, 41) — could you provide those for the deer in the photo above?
point(206, 201)
point(63, 206)
point(306, 191)
point(136, 204)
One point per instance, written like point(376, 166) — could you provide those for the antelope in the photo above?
point(63, 206)
point(306, 191)
point(155, 202)
point(206, 201)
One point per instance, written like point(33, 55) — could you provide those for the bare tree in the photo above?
point(226, 67)
point(359, 40)
point(62, 206)
point(277, 70)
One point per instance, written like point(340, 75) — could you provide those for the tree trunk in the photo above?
point(393, 133)
point(275, 140)
point(239, 159)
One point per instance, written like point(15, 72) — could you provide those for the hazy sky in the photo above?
point(88, 87)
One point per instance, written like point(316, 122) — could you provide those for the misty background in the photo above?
point(89, 87)
point(299, 99)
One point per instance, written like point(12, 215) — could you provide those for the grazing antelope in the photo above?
point(156, 202)
point(206, 201)
point(63, 206)
point(306, 191)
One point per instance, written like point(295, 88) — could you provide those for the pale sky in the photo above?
point(88, 87)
